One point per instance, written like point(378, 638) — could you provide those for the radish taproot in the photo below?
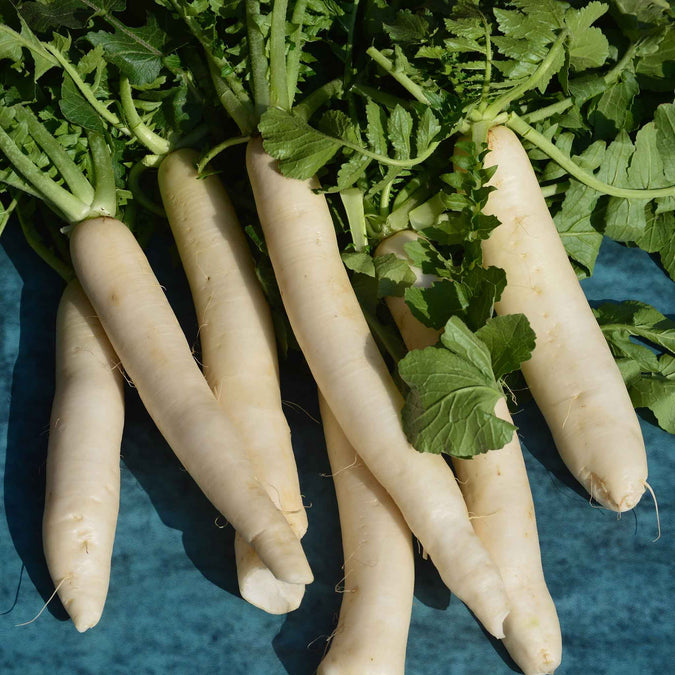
point(379, 568)
point(333, 334)
point(497, 494)
point(83, 460)
point(238, 353)
point(572, 373)
point(146, 335)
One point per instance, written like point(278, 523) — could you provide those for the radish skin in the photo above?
point(147, 337)
point(572, 374)
point(350, 372)
point(497, 493)
point(83, 460)
point(239, 353)
point(379, 568)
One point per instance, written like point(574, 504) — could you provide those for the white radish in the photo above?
point(379, 567)
point(572, 374)
point(147, 337)
point(350, 372)
point(497, 493)
point(239, 355)
point(83, 460)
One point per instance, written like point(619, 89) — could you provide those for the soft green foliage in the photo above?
point(453, 393)
point(645, 163)
point(657, 392)
point(398, 140)
point(574, 219)
point(510, 341)
point(137, 52)
point(649, 371)
point(391, 274)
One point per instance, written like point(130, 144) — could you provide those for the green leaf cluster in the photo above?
point(454, 387)
point(648, 363)
point(397, 139)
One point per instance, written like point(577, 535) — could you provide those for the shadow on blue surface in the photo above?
point(313, 622)
point(178, 501)
point(537, 440)
point(28, 424)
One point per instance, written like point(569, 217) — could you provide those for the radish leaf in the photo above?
point(453, 392)
point(510, 340)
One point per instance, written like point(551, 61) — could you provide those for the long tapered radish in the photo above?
point(83, 460)
point(379, 568)
point(239, 354)
point(497, 493)
point(572, 374)
point(350, 372)
point(145, 333)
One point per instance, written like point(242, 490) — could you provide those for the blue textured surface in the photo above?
point(173, 603)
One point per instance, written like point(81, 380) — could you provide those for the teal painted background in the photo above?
point(173, 603)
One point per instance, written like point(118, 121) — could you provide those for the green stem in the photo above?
point(278, 78)
point(152, 141)
point(147, 106)
point(548, 111)
point(383, 159)
point(554, 189)
point(6, 213)
point(613, 75)
point(352, 200)
point(503, 101)
point(11, 178)
point(311, 103)
point(527, 132)
point(395, 349)
point(388, 65)
point(409, 189)
point(67, 205)
point(487, 78)
point(59, 244)
point(293, 58)
point(349, 48)
point(566, 103)
point(105, 198)
point(70, 172)
point(385, 197)
point(34, 240)
point(427, 213)
point(213, 152)
point(86, 91)
point(257, 59)
point(137, 190)
point(383, 98)
point(399, 218)
point(242, 113)
point(479, 133)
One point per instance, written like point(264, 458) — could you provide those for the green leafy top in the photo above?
point(258, 51)
point(564, 77)
point(648, 362)
point(62, 137)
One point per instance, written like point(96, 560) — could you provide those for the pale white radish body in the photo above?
point(148, 339)
point(83, 460)
point(239, 354)
point(350, 372)
point(497, 493)
point(572, 374)
point(379, 567)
